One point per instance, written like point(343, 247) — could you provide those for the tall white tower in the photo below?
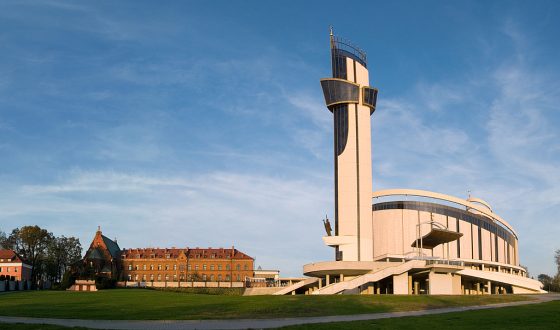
point(352, 102)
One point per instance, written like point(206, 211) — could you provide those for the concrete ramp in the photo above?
point(370, 277)
point(515, 280)
point(296, 286)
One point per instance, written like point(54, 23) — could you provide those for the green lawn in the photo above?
point(537, 316)
point(139, 304)
point(20, 326)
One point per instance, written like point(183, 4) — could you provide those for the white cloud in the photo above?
point(263, 215)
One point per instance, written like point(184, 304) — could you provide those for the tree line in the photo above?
point(49, 255)
point(552, 283)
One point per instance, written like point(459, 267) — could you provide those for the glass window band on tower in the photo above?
point(370, 97)
point(337, 91)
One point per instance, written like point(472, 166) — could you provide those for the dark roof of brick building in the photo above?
point(10, 256)
point(112, 246)
point(172, 253)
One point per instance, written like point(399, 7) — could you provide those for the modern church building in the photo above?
point(401, 241)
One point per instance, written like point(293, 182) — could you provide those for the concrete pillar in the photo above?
point(416, 287)
point(477, 288)
point(400, 284)
point(341, 277)
point(320, 282)
point(489, 287)
point(327, 279)
point(409, 284)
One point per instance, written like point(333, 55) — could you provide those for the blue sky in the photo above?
point(202, 123)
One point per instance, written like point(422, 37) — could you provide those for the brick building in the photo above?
point(11, 264)
point(214, 265)
point(102, 258)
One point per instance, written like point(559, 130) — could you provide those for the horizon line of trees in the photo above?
point(49, 255)
point(552, 283)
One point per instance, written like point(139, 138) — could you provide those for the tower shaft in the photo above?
point(351, 101)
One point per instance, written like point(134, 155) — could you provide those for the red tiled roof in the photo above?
point(11, 255)
point(209, 253)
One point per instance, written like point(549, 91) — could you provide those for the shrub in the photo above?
point(105, 283)
point(68, 279)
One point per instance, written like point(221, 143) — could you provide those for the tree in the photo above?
point(31, 243)
point(557, 258)
point(546, 281)
point(61, 253)
point(3, 240)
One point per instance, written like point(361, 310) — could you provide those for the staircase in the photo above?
point(296, 286)
point(373, 276)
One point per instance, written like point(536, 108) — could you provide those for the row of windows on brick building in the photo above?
point(7, 269)
point(204, 277)
point(182, 267)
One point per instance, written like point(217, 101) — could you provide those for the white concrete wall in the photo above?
point(400, 284)
point(394, 231)
point(444, 283)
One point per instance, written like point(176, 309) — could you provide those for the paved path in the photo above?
point(255, 323)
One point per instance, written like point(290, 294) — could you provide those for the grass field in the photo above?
point(19, 326)
point(137, 304)
point(537, 316)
